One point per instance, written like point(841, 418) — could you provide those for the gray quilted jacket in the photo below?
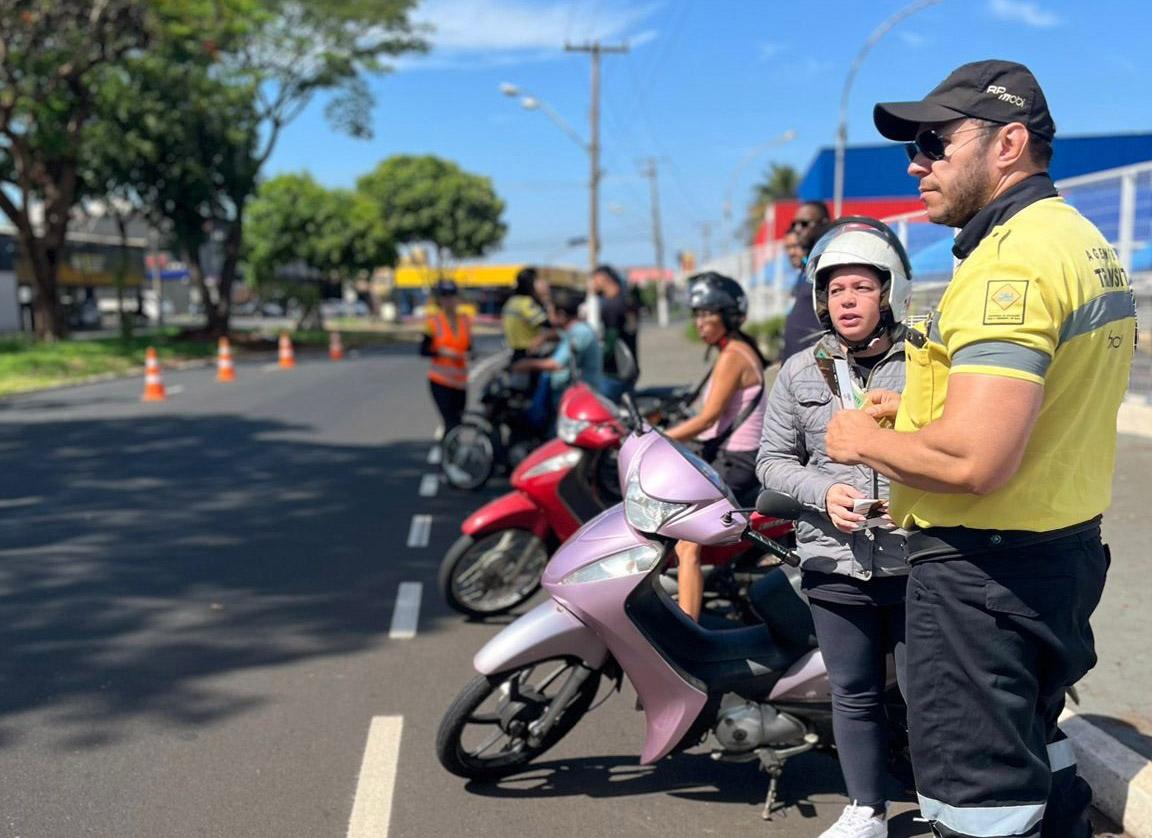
point(792, 460)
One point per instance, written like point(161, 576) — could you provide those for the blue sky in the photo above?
point(706, 84)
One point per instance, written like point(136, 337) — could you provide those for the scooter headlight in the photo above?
point(636, 560)
point(568, 428)
point(558, 463)
point(646, 513)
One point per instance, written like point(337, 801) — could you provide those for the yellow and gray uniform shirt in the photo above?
point(523, 317)
point(1041, 297)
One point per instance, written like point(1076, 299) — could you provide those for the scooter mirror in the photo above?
point(633, 413)
point(775, 504)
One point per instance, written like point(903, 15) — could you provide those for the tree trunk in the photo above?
point(51, 324)
point(191, 256)
point(220, 314)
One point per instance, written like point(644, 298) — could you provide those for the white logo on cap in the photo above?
point(1003, 95)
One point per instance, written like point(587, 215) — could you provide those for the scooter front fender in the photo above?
point(511, 511)
point(547, 631)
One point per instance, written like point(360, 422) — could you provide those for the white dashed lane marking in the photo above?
point(429, 485)
point(419, 531)
point(406, 614)
point(372, 807)
point(434, 455)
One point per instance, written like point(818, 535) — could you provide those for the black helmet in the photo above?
point(445, 288)
point(711, 291)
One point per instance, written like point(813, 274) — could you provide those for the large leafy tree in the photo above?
point(299, 49)
point(53, 56)
point(779, 182)
point(428, 201)
point(176, 142)
point(301, 235)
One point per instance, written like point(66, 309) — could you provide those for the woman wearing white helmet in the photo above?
point(853, 566)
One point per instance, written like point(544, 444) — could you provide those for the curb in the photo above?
point(1121, 779)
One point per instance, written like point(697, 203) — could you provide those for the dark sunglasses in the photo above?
point(800, 223)
point(929, 143)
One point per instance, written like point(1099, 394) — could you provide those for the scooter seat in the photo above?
point(745, 661)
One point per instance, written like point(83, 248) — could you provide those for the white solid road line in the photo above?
point(406, 614)
point(372, 808)
point(429, 485)
point(419, 531)
point(434, 455)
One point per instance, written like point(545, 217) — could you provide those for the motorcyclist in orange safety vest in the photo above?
point(448, 342)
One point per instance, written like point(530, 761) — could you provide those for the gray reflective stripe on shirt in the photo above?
point(1061, 755)
point(1105, 309)
point(1004, 354)
point(983, 821)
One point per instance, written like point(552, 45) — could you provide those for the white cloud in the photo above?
point(491, 29)
point(1029, 13)
point(771, 49)
point(912, 39)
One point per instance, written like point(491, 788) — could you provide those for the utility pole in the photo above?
point(706, 237)
point(594, 49)
point(649, 172)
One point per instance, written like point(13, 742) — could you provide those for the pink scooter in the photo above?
point(761, 692)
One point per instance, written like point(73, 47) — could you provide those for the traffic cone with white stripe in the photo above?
point(225, 369)
point(287, 356)
point(153, 387)
point(335, 347)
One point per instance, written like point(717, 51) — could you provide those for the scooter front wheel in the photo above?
point(489, 731)
point(468, 456)
point(493, 574)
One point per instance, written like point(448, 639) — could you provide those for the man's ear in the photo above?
point(1011, 145)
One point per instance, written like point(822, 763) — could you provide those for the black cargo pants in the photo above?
point(996, 632)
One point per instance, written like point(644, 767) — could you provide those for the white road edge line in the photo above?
point(175, 390)
point(419, 530)
point(406, 613)
point(429, 485)
point(372, 807)
point(434, 455)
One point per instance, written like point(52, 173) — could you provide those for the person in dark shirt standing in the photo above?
point(801, 328)
point(616, 318)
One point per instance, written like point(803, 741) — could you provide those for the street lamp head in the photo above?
point(530, 103)
point(509, 89)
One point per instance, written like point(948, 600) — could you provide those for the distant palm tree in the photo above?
point(779, 182)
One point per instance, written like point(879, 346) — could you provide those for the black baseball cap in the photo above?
point(999, 91)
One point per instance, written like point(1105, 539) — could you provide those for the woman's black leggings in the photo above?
point(855, 641)
point(450, 401)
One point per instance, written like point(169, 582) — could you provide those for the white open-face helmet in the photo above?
point(858, 240)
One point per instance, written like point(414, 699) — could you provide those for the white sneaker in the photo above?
point(858, 822)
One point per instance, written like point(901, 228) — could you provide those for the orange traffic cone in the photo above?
point(153, 386)
point(335, 347)
point(225, 369)
point(287, 356)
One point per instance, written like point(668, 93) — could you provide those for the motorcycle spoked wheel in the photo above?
point(492, 574)
point(468, 456)
point(483, 736)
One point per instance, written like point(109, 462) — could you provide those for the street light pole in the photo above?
point(787, 137)
point(842, 128)
point(657, 244)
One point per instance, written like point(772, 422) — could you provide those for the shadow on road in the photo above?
point(142, 560)
point(690, 776)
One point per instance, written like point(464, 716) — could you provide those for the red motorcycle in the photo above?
point(497, 562)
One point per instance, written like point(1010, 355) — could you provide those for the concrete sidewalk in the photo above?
point(1113, 728)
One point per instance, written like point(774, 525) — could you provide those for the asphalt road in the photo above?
point(196, 600)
